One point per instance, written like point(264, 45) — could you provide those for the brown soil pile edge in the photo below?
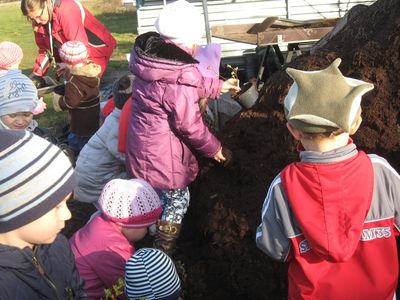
point(217, 246)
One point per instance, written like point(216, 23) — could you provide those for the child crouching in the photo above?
point(102, 246)
point(151, 274)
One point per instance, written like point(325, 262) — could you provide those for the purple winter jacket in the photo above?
point(166, 125)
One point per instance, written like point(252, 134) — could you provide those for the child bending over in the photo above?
point(105, 243)
point(151, 274)
point(166, 128)
point(100, 161)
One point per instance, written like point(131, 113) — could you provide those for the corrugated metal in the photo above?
point(225, 12)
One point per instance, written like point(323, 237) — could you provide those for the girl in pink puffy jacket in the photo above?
point(166, 128)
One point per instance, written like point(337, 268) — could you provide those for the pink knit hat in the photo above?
point(130, 203)
point(73, 52)
point(10, 54)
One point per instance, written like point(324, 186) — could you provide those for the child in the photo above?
point(151, 274)
point(18, 102)
point(81, 96)
point(166, 128)
point(36, 180)
point(100, 161)
point(102, 246)
point(334, 215)
point(10, 56)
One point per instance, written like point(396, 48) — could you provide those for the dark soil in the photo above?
point(217, 245)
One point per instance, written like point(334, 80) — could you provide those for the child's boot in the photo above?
point(166, 236)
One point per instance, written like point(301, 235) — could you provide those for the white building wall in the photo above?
point(225, 12)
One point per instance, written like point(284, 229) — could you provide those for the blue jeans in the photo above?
point(175, 204)
point(76, 143)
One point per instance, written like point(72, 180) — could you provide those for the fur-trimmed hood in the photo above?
point(89, 70)
point(156, 59)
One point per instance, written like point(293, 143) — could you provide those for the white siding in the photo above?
point(225, 12)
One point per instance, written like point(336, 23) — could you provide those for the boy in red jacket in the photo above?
point(334, 215)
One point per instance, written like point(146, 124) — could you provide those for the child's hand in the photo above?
point(219, 157)
point(40, 107)
point(60, 69)
point(232, 84)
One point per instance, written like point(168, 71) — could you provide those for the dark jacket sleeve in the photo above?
point(74, 281)
point(77, 283)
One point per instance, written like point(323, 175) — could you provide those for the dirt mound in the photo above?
point(218, 241)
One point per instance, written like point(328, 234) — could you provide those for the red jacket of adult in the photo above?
point(71, 21)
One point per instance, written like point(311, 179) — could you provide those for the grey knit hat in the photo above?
point(323, 101)
point(151, 274)
point(35, 177)
point(122, 90)
point(17, 93)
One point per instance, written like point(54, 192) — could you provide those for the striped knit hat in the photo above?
point(73, 52)
point(130, 203)
point(35, 177)
point(10, 54)
point(17, 93)
point(151, 274)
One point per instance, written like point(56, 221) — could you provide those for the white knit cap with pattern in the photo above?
point(181, 22)
point(17, 93)
point(151, 274)
point(130, 203)
point(73, 52)
point(35, 177)
point(10, 54)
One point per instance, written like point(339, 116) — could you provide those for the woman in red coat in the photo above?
point(66, 20)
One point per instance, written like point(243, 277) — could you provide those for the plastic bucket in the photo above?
point(248, 95)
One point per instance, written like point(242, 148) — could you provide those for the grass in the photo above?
point(121, 22)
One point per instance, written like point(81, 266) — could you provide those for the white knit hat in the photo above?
point(35, 177)
point(10, 54)
point(181, 22)
point(130, 203)
point(151, 274)
point(17, 93)
point(73, 52)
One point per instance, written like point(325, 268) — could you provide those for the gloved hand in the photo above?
point(38, 81)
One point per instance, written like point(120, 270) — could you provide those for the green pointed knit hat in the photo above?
point(323, 101)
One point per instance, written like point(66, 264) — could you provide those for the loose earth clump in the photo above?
point(217, 245)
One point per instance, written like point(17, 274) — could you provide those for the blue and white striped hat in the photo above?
point(35, 177)
point(151, 274)
point(17, 93)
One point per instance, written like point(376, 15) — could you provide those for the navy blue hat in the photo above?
point(151, 274)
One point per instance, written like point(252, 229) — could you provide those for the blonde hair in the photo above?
point(29, 5)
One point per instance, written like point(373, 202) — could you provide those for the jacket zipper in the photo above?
point(40, 269)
